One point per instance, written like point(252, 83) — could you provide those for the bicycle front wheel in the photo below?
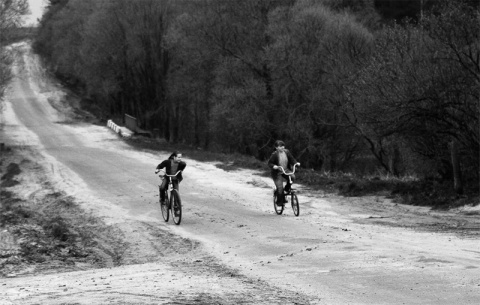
point(176, 207)
point(164, 208)
point(278, 208)
point(295, 205)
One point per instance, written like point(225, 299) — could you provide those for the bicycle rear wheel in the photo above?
point(278, 208)
point(176, 207)
point(164, 207)
point(295, 205)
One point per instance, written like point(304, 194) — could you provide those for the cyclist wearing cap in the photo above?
point(171, 166)
point(281, 157)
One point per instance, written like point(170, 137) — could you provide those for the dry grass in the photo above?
point(51, 232)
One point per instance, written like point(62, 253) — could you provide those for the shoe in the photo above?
point(177, 212)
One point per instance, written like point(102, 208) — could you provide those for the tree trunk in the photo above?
point(457, 172)
point(393, 163)
point(166, 122)
point(197, 123)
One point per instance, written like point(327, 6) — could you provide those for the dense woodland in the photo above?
point(357, 86)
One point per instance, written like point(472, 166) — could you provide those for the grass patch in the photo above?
point(436, 194)
point(419, 192)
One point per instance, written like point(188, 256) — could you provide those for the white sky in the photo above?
point(36, 9)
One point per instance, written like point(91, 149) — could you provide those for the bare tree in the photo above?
point(421, 87)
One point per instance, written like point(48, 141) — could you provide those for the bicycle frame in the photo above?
point(170, 182)
point(293, 196)
point(289, 174)
point(172, 196)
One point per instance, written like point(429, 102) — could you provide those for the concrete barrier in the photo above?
point(124, 132)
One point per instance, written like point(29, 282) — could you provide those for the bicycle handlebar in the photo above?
point(288, 174)
point(156, 172)
point(173, 175)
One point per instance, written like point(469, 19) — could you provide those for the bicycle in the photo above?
point(173, 203)
point(292, 193)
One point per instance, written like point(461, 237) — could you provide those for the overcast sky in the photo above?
point(36, 9)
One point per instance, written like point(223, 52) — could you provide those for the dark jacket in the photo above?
point(274, 161)
point(167, 164)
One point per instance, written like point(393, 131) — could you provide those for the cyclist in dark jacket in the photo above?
point(172, 165)
point(281, 157)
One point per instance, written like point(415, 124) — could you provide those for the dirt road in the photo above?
point(231, 247)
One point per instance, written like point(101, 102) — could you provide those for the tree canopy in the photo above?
point(349, 85)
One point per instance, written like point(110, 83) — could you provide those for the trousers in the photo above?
point(279, 179)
